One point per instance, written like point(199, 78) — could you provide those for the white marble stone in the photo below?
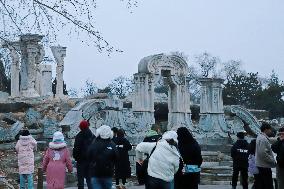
point(45, 80)
point(173, 70)
point(31, 51)
point(212, 118)
point(59, 54)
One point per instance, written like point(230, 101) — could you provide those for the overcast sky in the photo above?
point(249, 30)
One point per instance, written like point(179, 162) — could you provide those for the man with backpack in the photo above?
point(278, 148)
point(80, 153)
point(239, 153)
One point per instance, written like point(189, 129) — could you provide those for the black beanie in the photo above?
point(241, 135)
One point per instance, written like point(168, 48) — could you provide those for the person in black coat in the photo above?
point(102, 155)
point(82, 142)
point(278, 148)
point(240, 153)
point(188, 175)
point(122, 166)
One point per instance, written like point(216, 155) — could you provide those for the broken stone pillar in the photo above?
point(14, 49)
point(30, 46)
point(59, 54)
point(39, 58)
point(15, 73)
point(212, 117)
point(45, 80)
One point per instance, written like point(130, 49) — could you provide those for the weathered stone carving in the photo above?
point(30, 48)
point(36, 78)
point(59, 54)
point(246, 116)
point(212, 118)
point(174, 71)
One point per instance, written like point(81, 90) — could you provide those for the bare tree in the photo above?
point(90, 88)
point(49, 16)
point(231, 68)
point(180, 54)
point(121, 86)
point(207, 64)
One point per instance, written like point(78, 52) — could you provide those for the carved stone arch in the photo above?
point(156, 64)
point(175, 70)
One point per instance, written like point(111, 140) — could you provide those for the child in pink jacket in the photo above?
point(55, 161)
point(25, 148)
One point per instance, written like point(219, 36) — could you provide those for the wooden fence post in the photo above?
point(40, 178)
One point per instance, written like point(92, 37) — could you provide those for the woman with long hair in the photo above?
point(188, 176)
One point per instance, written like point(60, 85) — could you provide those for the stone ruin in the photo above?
point(30, 77)
point(43, 116)
point(214, 126)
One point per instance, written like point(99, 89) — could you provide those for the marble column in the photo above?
point(179, 104)
point(15, 74)
point(59, 54)
point(45, 80)
point(212, 117)
point(29, 45)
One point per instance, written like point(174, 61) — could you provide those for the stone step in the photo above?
point(210, 164)
point(216, 147)
point(217, 170)
point(226, 163)
point(215, 177)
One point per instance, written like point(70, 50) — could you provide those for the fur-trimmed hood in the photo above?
point(56, 145)
point(25, 140)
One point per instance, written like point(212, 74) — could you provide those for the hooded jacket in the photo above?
point(82, 142)
point(102, 156)
point(152, 136)
point(56, 160)
point(164, 161)
point(25, 147)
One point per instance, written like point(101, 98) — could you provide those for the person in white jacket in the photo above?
point(164, 161)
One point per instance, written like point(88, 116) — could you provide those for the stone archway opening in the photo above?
point(172, 70)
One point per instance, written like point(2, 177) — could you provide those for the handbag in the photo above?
point(143, 168)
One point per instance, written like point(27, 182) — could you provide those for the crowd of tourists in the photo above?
point(257, 159)
point(168, 161)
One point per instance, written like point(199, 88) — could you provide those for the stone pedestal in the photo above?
point(212, 117)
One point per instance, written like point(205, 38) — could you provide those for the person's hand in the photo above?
point(140, 162)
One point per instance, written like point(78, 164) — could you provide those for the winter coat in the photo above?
point(239, 153)
point(278, 148)
point(164, 161)
point(82, 142)
point(152, 136)
point(102, 155)
point(122, 166)
point(25, 147)
point(55, 161)
point(264, 156)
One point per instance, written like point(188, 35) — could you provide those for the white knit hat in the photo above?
point(170, 135)
point(58, 137)
point(104, 132)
